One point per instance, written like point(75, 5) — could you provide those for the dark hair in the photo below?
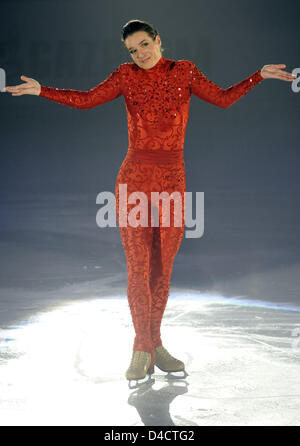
point(138, 25)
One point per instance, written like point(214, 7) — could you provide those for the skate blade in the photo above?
point(178, 374)
point(140, 382)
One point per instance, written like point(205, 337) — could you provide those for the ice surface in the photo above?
point(66, 365)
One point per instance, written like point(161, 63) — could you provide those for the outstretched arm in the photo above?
point(205, 89)
point(106, 91)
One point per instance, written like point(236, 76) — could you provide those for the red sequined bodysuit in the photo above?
point(157, 104)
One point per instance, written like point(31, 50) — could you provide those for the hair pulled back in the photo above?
point(138, 25)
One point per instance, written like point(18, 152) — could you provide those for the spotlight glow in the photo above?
point(66, 366)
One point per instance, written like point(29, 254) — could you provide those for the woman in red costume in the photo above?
point(157, 93)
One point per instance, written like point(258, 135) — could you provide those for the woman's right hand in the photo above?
point(31, 86)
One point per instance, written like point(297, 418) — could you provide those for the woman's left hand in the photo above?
point(277, 72)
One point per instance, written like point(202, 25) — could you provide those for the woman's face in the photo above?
point(144, 51)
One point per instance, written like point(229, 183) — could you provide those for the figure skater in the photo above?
point(157, 93)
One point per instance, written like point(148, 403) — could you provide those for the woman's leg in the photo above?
point(137, 244)
point(167, 239)
point(166, 242)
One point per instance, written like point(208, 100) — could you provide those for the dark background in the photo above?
point(55, 159)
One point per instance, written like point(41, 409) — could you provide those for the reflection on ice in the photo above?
point(67, 366)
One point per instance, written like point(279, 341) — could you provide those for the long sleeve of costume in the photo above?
point(205, 89)
point(106, 91)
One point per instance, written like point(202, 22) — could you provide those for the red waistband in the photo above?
point(156, 156)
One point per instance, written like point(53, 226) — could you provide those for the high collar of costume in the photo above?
point(158, 67)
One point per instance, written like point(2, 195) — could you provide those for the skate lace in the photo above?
point(165, 354)
point(136, 357)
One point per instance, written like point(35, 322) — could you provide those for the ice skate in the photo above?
point(167, 363)
point(139, 366)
